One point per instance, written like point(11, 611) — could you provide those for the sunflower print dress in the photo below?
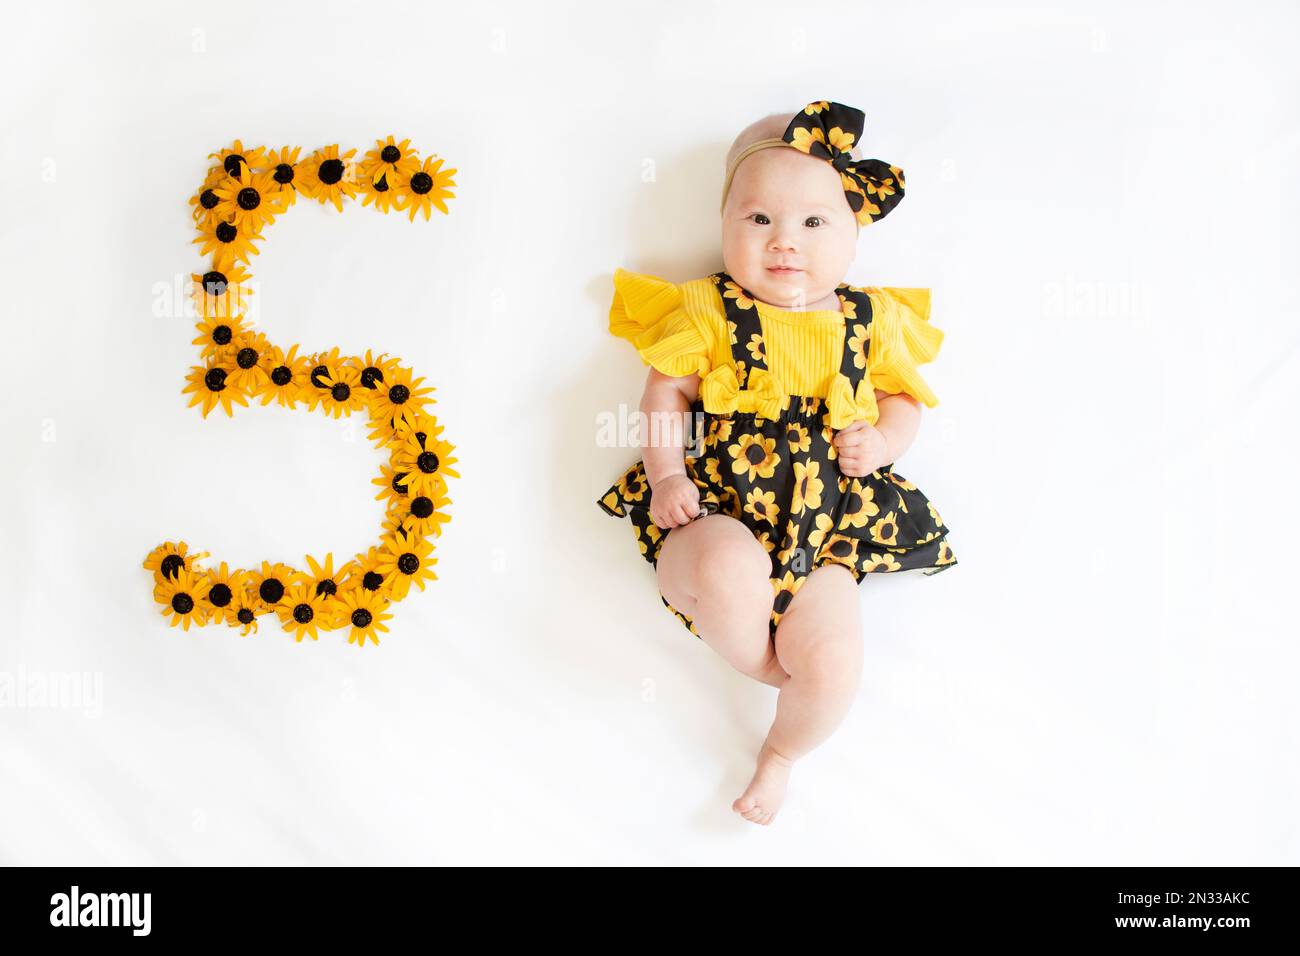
point(770, 464)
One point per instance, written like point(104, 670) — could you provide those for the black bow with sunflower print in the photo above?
point(829, 131)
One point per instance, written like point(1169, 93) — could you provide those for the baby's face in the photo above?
point(788, 208)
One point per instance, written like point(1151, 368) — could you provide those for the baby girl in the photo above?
point(807, 391)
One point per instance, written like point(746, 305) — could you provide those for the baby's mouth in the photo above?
point(783, 270)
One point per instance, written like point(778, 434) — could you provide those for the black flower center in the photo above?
point(283, 174)
point(246, 358)
point(271, 590)
point(397, 484)
point(222, 335)
point(340, 392)
point(214, 283)
point(422, 507)
point(634, 486)
point(361, 617)
point(182, 603)
point(208, 199)
point(421, 183)
point(226, 232)
point(381, 184)
point(390, 154)
point(232, 163)
point(841, 548)
point(782, 601)
point(754, 454)
point(245, 616)
point(855, 503)
point(428, 462)
point(420, 437)
point(331, 171)
point(171, 565)
point(302, 613)
point(249, 198)
point(220, 595)
point(317, 374)
point(282, 375)
point(215, 379)
point(408, 563)
point(398, 394)
point(326, 588)
point(372, 581)
point(370, 376)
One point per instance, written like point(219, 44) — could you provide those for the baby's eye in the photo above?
point(813, 221)
point(760, 218)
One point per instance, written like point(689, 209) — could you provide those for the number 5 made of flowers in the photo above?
point(244, 191)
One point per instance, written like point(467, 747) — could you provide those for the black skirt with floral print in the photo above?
point(778, 476)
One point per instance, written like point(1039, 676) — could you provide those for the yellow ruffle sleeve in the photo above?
point(648, 312)
point(901, 339)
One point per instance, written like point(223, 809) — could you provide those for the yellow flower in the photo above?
point(282, 164)
point(234, 160)
point(183, 598)
point(733, 291)
point(399, 398)
point(426, 188)
point(227, 243)
point(860, 505)
point(885, 531)
point(327, 177)
point(422, 454)
point(395, 160)
point(379, 192)
point(366, 577)
point(250, 355)
point(223, 587)
point(211, 389)
point(221, 295)
point(300, 609)
point(166, 559)
point(882, 562)
point(342, 394)
point(857, 344)
point(405, 559)
point(249, 199)
point(270, 583)
point(754, 454)
point(762, 505)
point(392, 484)
point(286, 379)
point(807, 487)
point(363, 611)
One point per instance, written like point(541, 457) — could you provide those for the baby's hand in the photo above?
point(861, 449)
point(674, 501)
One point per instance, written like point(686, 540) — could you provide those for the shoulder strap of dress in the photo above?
point(857, 333)
point(743, 325)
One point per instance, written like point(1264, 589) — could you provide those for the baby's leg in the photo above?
point(715, 572)
point(819, 643)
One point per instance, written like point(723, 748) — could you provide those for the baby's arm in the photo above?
point(900, 418)
point(666, 404)
point(861, 448)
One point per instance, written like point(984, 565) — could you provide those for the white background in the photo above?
point(1102, 197)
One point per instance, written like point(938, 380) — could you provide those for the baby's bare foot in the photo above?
point(763, 797)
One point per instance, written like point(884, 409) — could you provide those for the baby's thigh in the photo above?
point(709, 555)
point(821, 631)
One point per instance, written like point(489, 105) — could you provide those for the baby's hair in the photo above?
point(772, 126)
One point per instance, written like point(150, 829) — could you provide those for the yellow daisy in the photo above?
point(732, 291)
point(426, 458)
point(221, 295)
point(250, 199)
point(392, 484)
point(399, 398)
point(754, 454)
point(342, 394)
point(223, 586)
point(235, 159)
point(328, 177)
point(391, 159)
point(426, 188)
point(808, 487)
point(286, 378)
point(300, 610)
point(227, 243)
point(270, 583)
point(403, 560)
point(282, 164)
point(183, 598)
point(251, 356)
point(364, 611)
point(211, 390)
point(166, 559)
